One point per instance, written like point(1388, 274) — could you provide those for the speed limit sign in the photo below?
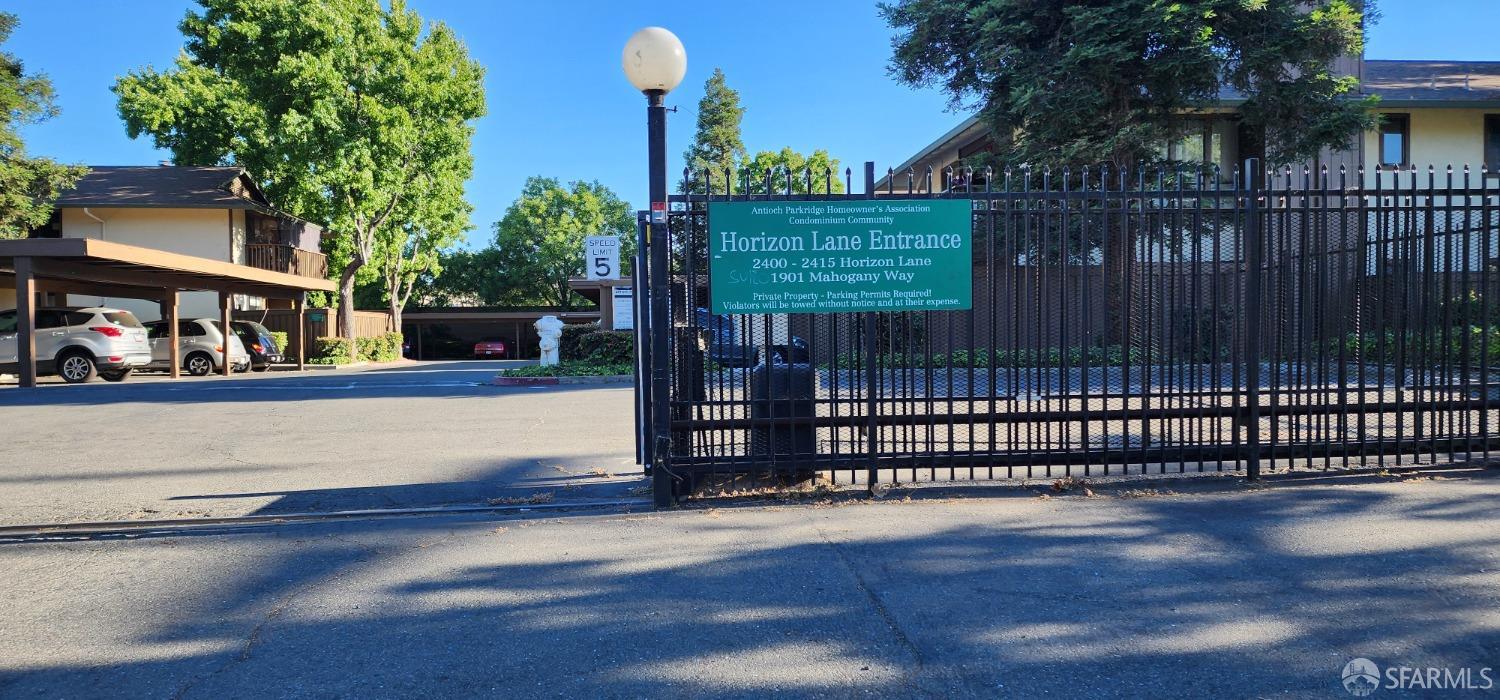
point(601, 257)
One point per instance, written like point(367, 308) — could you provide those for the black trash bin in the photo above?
point(784, 391)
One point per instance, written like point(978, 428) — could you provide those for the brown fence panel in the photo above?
point(319, 323)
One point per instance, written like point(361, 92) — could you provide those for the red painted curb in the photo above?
point(525, 381)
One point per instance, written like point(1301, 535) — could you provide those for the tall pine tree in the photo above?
point(717, 146)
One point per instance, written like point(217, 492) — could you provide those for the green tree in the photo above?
point(718, 149)
point(819, 170)
point(1074, 82)
point(434, 216)
point(28, 186)
point(717, 146)
point(1081, 82)
point(539, 241)
point(343, 109)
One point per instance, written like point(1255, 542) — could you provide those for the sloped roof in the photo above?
point(186, 187)
point(1432, 81)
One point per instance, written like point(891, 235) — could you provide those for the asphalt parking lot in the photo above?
point(408, 435)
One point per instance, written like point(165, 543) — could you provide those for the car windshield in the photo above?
point(255, 328)
point(493, 340)
point(122, 318)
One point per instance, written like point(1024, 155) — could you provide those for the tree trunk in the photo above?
point(396, 307)
point(346, 303)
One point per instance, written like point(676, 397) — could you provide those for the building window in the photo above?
point(1208, 142)
point(1395, 139)
point(1492, 142)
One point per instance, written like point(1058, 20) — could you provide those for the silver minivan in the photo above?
point(78, 343)
point(200, 344)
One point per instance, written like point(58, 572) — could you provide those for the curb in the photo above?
point(329, 368)
point(554, 381)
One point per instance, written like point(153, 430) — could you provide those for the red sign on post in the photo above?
point(658, 212)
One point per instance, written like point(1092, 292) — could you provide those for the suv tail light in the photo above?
point(258, 347)
point(108, 331)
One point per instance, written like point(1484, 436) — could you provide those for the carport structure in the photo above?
point(91, 266)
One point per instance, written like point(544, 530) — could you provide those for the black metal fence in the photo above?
point(1123, 323)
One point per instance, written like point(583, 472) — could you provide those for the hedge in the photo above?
point(607, 347)
point(567, 345)
point(329, 351)
point(381, 348)
point(281, 338)
point(571, 369)
point(335, 351)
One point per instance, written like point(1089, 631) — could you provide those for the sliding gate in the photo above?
point(1140, 323)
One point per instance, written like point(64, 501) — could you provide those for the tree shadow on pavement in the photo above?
point(1231, 594)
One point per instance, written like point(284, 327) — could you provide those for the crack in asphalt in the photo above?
point(910, 677)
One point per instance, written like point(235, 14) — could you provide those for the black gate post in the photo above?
point(1254, 259)
point(872, 352)
point(658, 233)
point(639, 328)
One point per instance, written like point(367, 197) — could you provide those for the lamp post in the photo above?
point(654, 62)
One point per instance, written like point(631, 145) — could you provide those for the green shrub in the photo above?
point(381, 348)
point(281, 339)
point(329, 351)
point(572, 334)
point(608, 347)
point(571, 369)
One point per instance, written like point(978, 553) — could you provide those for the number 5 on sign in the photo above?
point(601, 257)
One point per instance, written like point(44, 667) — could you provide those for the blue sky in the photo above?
point(810, 74)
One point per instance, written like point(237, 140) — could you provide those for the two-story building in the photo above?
point(1433, 113)
point(218, 213)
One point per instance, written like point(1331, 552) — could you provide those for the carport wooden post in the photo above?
point(226, 367)
point(26, 321)
point(300, 328)
point(169, 305)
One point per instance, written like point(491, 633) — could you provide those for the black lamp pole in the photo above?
point(660, 313)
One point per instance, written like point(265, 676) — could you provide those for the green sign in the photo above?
point(849, 255)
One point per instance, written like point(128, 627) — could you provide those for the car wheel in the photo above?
point(261, 368)
point(199, 364)
point(76, 368)
point(118, 375)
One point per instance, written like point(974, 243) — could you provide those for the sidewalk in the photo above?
point(1229, 591)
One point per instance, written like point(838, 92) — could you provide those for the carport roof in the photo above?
point(97, 262)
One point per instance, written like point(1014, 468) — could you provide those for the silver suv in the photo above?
point(200, 345)
point(78, 344)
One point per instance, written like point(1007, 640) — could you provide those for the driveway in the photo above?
point(1216, 590)
point(409, 435)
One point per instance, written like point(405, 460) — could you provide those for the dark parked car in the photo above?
point(491, 349)
point(259, 343)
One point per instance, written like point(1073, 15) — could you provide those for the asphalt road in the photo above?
point(408, 435)
point(1218, 590)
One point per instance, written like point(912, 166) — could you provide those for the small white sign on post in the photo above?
point(601, 257)
point(624, 308)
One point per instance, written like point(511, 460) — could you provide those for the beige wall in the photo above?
point(1439, 137)
point(7, 298)
point(205, 233)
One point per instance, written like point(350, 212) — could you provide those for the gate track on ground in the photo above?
point(18, 534)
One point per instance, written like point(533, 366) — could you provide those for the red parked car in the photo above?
point(490, 349)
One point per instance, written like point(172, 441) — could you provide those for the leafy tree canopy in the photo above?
point(1083, 81)
point(345, 110)
point(539, 242)
point(787, 163)
point(28, 186)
